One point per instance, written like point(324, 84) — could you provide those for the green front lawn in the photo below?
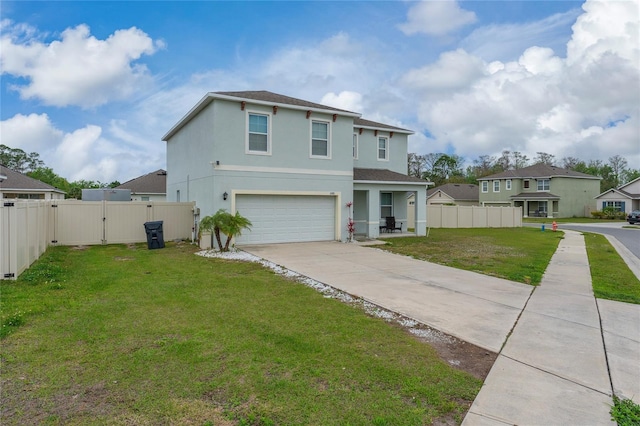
point(516, 254)
point(124, 335)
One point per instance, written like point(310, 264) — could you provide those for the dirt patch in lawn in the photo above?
point(459, 354)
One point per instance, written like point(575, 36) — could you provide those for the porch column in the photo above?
point(526, 208)
point(421, 212)
point(373, 222)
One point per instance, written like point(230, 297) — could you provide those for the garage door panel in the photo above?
point(287, 218)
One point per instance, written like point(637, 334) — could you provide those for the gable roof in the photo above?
point(261, 97)
point(16, 181)
point(151, 183)
point(622, 192)
point(457, 191)
point(539, 171)
point(384, 175)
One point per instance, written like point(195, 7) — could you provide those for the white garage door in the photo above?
point(286, 218)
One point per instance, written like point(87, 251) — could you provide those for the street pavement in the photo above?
point(560, 349)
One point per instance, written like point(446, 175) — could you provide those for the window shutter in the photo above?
point(622, 206)
point(604, 205)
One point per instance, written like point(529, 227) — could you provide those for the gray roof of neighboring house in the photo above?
point(151, 183)
point(539, 171)
point(457, 191)
point(384, 175)
point(20, 182)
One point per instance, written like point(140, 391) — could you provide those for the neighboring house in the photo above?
point(460, 194)
point(149, 187)
point(625, 198)
point(290, 166)
point(15, 185)
point(542, 190)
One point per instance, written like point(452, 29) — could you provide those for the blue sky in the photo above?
point(93, 86)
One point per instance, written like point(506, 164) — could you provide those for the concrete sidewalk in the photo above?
point(553, 368)
point(566, 348)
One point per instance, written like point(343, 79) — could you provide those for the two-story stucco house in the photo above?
point(542, 190)
point(291, 167)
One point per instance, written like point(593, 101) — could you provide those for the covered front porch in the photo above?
point(537, 204)
point(382, 194)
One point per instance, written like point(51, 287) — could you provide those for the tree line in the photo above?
point(31, 165)
point(441, 168)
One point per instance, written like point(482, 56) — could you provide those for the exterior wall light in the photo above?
point(224, 196)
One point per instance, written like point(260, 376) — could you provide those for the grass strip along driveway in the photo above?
point(519, 254)
point(516, 254)
point(124, 335)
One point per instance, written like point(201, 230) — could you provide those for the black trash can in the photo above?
point(155, 239)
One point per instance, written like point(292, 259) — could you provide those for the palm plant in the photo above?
point(226, 223)
point(208, 224)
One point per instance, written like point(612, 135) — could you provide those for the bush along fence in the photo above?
point(27, 228)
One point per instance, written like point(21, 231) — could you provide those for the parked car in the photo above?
point(633, 217)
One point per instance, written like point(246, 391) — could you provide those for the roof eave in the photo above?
point(385, 129)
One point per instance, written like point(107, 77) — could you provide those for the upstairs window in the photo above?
point(485, 186)
point(320, 145)
point(383, 148)
point(507, 185)
point(258, 137)
point(543, 184)
point(496, 186)
point(525, 184)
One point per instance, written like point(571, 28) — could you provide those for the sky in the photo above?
point(93, 86)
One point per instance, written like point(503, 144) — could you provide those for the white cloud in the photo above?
point(78, 69)
point(585, 105)
point(436, 18)
point(84, 153)
point(350, 101)
point(506, 42)
point(453, 70)
point(30, 133)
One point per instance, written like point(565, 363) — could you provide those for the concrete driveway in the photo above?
point(560, 349)
point(431, 294)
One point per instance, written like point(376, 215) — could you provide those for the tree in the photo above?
point(570, 162)
point(505, 162)
point(447, 168)
point(48, 176)
point(544, 158)
point(415, 164)
point(618, 166)
point(520, 161)
point(18, 160)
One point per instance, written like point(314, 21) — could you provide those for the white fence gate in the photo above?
point(27, 228)
point(441, 216)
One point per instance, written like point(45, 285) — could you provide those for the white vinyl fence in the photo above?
point(441, 216)
point(27, 228)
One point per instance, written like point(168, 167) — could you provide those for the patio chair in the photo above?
point(392, 225)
